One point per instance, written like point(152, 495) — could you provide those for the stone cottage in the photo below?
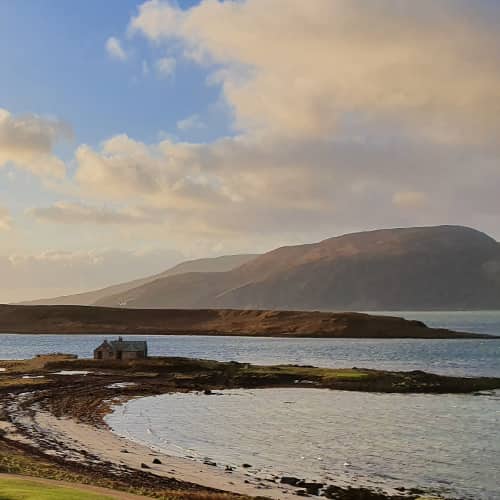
point(122, 350)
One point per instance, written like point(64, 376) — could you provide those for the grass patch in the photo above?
point(305, 372)
point(36, 364)
point(21, 382)
point(22, 489)
point(347, 374)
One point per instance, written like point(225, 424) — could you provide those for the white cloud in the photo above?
point(409, 199)
point(299, 71)
point(340, 105)
point(123, 168)
point(350, 116)
point(78, 213)
point(28, 142)
point(190, 123)
point(115, 50)
point(271, 190)
point(5, 219)
point(165, 174)
point(165, 66)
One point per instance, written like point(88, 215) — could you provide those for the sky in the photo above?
point(134, 135)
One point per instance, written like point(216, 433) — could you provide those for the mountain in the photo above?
point(215, 264)
point(68, 320)
point(442, 267)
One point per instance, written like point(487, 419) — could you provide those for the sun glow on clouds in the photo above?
point(346, 115)
point(339, 105)
point(297, 70)
point(51, 273)
point(71, 213)
point(5, 219)
point(28, 142)
point(409, 199)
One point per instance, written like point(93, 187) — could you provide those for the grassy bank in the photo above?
point(27, 463)
point(22, 489)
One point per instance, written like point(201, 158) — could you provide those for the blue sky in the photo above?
point(136, 134)
point(55, 64)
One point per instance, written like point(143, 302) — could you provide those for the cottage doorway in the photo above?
point(99, 355)
point(119, 355)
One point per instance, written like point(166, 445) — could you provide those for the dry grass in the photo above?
point(33, 365)
point(8, 382)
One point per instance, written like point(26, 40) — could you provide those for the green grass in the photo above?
point(306, 372)
point(14, 462)
point(21, 489)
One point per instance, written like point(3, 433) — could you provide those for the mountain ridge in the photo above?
point(92, 296)
point(435, 267)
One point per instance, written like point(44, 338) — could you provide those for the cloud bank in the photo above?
point(79, 213)
point(45, 274)
point(5, 219)
point(28, 142)
point(347, 115)
point(299, 70)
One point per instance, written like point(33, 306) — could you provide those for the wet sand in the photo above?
point(109, 447)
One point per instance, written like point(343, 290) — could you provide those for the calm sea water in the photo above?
point(460, 357)
point(446, 442)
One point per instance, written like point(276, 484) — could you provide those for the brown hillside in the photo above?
point(82, 320)
point(213, 264)
point(444, 267)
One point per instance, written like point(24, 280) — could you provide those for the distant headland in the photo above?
point(446, 268)
point(67, 320)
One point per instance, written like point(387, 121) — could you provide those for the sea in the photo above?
point(445, 443)
point(453, 357)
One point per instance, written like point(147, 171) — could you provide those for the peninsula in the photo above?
point(231, 322)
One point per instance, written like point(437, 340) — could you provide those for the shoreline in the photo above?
point(108, 447)
point(446, 335)
point(66, 439)
point(51, 416)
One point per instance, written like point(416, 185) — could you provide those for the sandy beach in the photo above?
point(73, 436)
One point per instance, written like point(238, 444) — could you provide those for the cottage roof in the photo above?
point(128, 345)
point(124, 345)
